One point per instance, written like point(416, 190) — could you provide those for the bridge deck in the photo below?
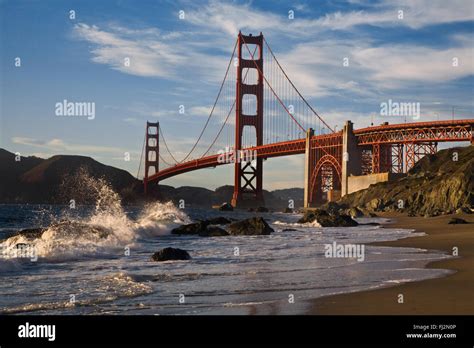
point(439, 131)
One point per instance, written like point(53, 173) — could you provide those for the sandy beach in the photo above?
point(452, 294)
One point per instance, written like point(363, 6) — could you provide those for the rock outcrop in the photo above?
point(205, 228)
point(325, 219)
point(457, 221)
point(194, 228)
point(213, 231)
point(168, 254)
point(252, 226)
point(226, 207)
point(442, 183)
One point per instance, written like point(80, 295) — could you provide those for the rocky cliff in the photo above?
point(437, 184)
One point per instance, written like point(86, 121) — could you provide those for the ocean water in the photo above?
point(79, 272)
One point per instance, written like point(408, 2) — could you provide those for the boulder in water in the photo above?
point(328, 220)
point(30, 233)
point(311, 215)
point(213, 231)
point(226, 207)
point(288, 211)
point(203, 228)
point(262, 210)
point(333, 208)
point(66, 228)
point(194, 229)
point(167, 254)
point(252, 226)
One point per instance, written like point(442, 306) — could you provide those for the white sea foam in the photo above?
point(106, 230)
point(109, 289)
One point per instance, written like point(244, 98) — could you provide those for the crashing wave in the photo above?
point(105, 230)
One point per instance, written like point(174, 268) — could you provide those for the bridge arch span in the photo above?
point(327, 174)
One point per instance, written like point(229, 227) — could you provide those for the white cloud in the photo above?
point(149, 56)
point(231, 17)
point(317, 68)
point(391, 65)
point(150, 53)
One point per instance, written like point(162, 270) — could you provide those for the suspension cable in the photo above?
point(296, 89)
point(228, 114)
point(214, 106)
point(141, 156)
point(316, 142)
point(260, 71)
point(166, 146)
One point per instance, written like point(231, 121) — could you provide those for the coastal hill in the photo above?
point(35, 180)
point(438, 184)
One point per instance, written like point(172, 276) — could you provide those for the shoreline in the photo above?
point(451, 294)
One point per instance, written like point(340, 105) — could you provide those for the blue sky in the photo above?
point(181, 62)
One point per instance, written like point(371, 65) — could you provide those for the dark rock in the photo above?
point(375, 204)
point(194, 229)
point(219, 221)
point(288, 211)
point(311, 215)
point(328, 220)
point(203, 228)
point(226, 207)
point(333, 207)
point(288, 230)
point(250, 210)
point(66, 228)
point(370, 224)
point(170, 254)
point(213, 231)
point(355, 212)
point(31, 233)
point(337, 221)
point(262, 210)
point(456, 221)
point(252, 226)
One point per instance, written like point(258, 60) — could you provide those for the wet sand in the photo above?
point(453, 294)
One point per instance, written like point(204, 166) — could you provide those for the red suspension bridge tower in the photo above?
point(248, 178)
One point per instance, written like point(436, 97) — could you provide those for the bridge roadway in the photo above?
point(417, 132)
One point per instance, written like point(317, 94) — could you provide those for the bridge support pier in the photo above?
point(351, 156)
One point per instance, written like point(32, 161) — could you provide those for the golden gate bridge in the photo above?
point(260, 111)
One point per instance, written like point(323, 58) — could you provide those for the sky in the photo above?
point(408, 51)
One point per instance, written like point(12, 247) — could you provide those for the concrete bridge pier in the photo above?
point(351, 156)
